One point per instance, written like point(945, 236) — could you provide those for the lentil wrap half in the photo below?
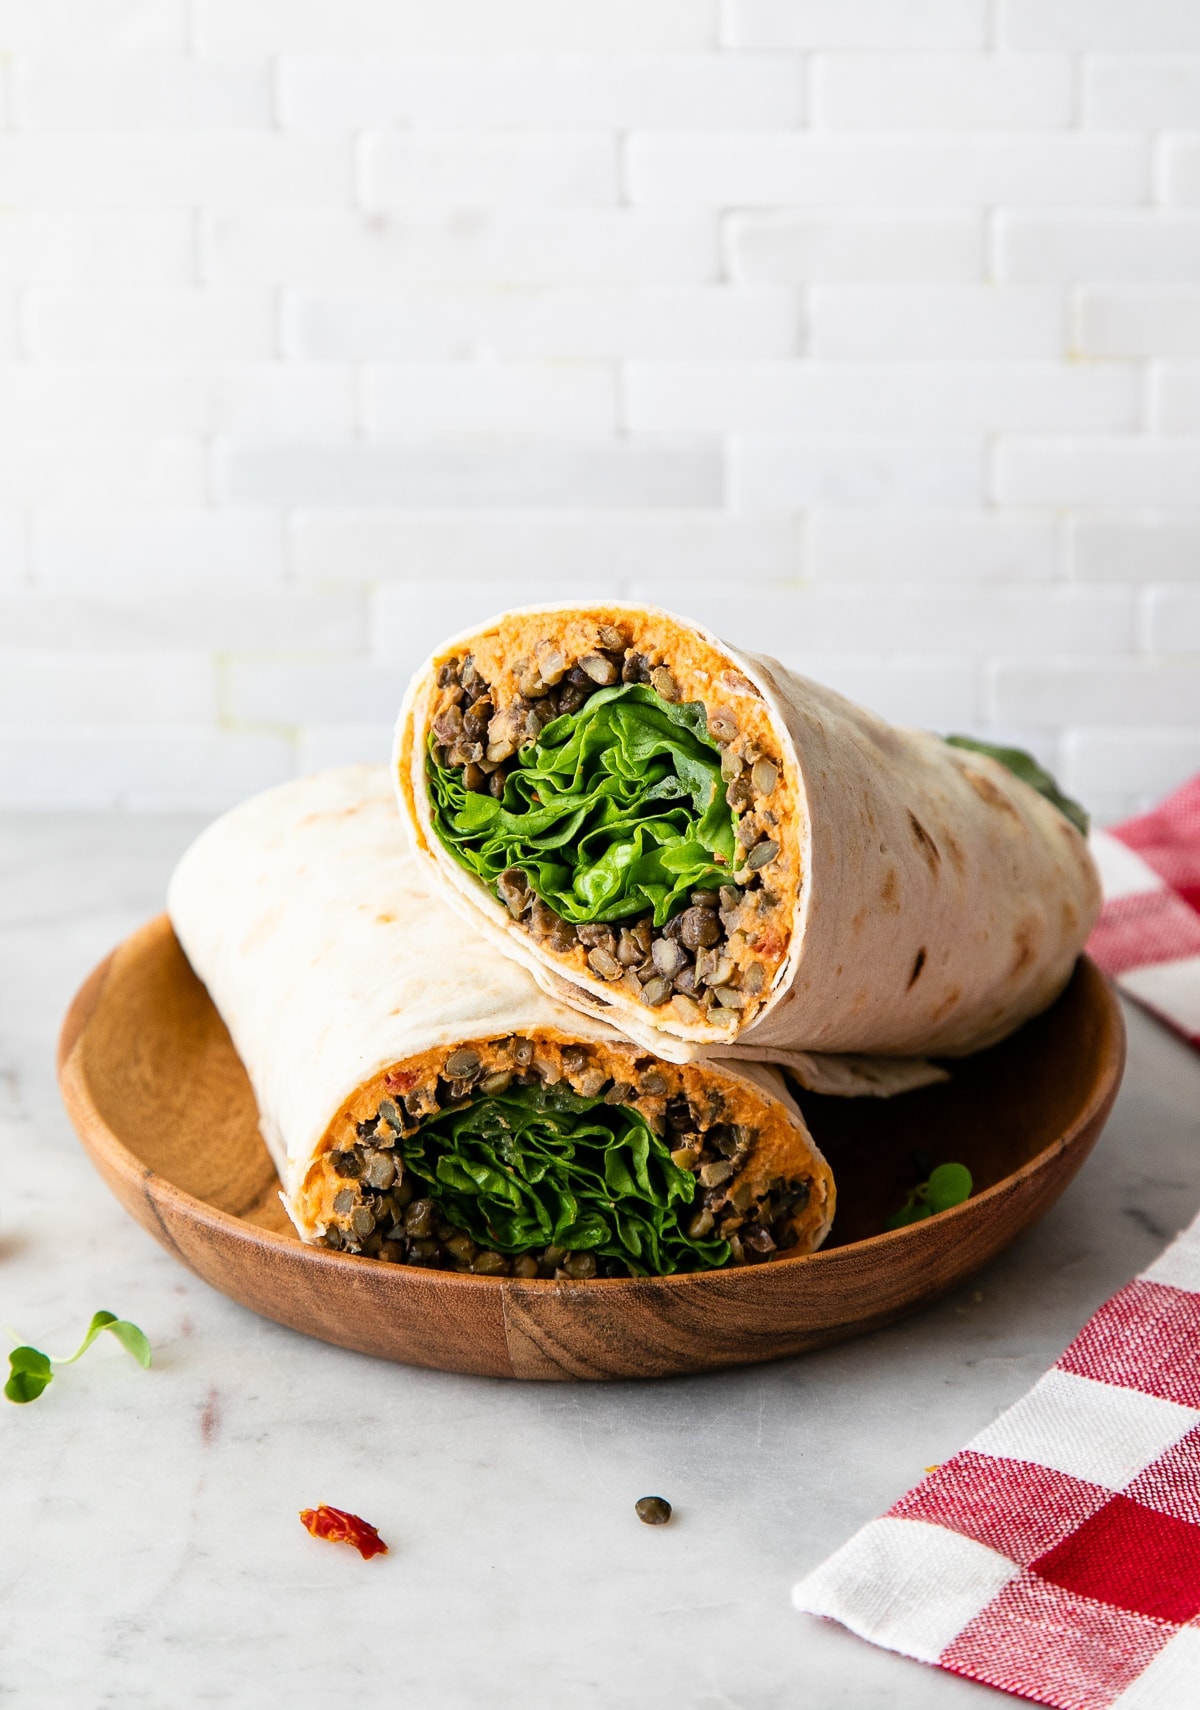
point(425, 1102)
point(720, 856)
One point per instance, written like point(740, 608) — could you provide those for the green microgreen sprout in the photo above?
point(949, 1184)
point(30, 1371)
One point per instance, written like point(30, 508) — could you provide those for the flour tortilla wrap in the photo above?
point(348, 986)
point(892, 897)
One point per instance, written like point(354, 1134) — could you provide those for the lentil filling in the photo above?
point(518, 1157)
point(632, 832)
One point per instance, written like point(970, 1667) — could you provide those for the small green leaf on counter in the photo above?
point(128, 1335)
point(1025, 767)
point(948, 1185)
point(31, 1371)
point(28, 1376)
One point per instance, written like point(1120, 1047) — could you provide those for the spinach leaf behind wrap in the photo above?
point(531, 1166)
point(618, 810)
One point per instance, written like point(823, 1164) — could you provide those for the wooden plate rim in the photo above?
point(83, 1112)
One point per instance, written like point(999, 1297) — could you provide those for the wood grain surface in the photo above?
point(163, 1106)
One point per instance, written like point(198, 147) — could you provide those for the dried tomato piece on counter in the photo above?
point(342, 1528)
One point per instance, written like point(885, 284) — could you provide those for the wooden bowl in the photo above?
point(162, 1104)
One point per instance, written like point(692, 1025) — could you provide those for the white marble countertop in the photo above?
point(152, 1555)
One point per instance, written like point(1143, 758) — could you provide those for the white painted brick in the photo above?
point(862, 24)
point(288, 401)
point(1097, 472)
point(155, 551)
point(48, 397)
point(150, 620)
point(555, 473)
point(1110, 808)
point(943, 92)
point(1137, 762)
point(1119, 692)
point(686, 91)
point(9, 324)
point(60, 469)
point(322, 746)
point(892, 397)
point(262, 690)
point(496, 170)
point(490, 397)
point(102, 27)
point(1132, 246)
point(576, 549)
point(852, 473)
point(1131, 92)
point(135, 767)
point(12, 550)
point(1116, 321)
point(798, 245)
point(954, 321)
point(895, 171)
point(1171, 620)
point(80, 326)
point(1144, 547)
point(934, 621)
point(701, 320)
point(958, 547)
point(155, 92)
point(38, 247)
point(413, 26)
point(1176, 398)
point(91, 170)
point(1150, 25)
point(58, 687)
point(1181, 168)
point(409, 622)
point(933, 693)
point(512, 246)
point(44, 397)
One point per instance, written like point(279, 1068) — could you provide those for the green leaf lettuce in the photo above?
point(618, 810)
point(537, 1166)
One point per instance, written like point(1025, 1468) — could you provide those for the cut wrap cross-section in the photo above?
point(885, 896)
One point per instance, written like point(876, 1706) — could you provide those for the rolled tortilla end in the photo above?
point(716, 855)
point(426, 1103)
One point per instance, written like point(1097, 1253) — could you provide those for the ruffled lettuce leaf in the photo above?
point(618, 810)
point(534, 1166)
point(1025, 767)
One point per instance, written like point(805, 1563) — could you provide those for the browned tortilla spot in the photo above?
point(925, 843)
point(988, 791)
point(1025, 945)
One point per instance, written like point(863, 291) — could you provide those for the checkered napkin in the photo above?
point(1148, 937)
point(1057, 1556)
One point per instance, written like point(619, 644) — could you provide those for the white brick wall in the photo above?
point(868, 332)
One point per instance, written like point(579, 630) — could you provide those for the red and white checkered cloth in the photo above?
point(1057, 1556)
point(1148, 937)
